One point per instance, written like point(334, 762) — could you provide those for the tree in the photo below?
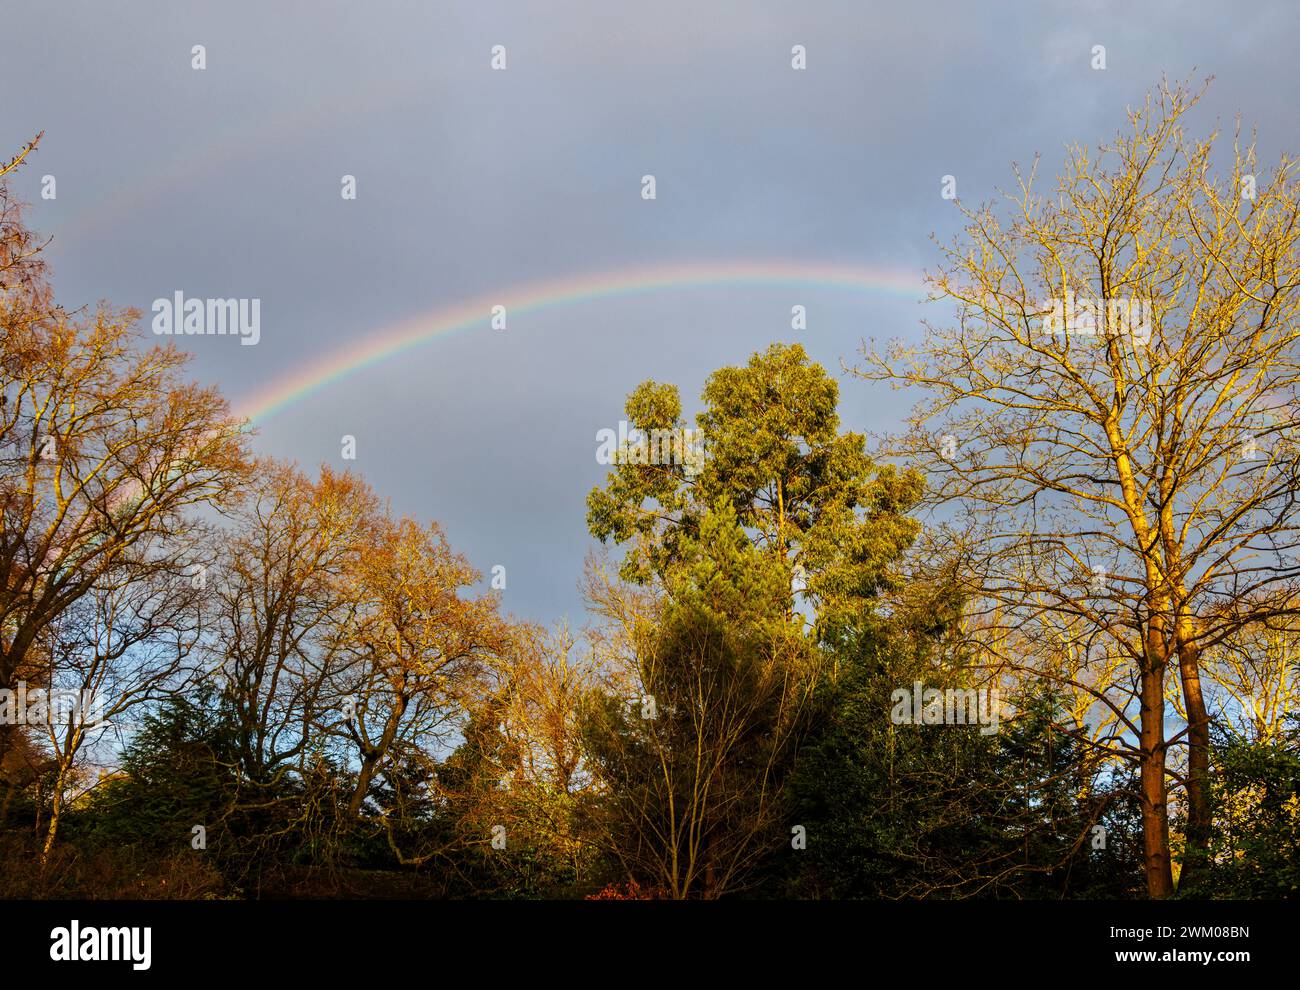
point(113, 651)
point(420, 652)
point(105, 453)
point(546, 787)
point(691, 744)
point(1111, 412)
point(281, 609)
point(757, 556)
point(180, 770)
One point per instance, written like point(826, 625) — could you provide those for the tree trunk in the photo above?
point(364, 777)
point(370, 761)
point(1197, 854)
point(1155, 811)
point(56, 809)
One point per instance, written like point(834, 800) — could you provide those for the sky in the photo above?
point(523, 187)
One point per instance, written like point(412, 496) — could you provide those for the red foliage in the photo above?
point(629, 891)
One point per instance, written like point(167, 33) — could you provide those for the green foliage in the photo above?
point(802, 491)
point(724, 574)
point(181, 771)
point(177, 773)
point(1255, 851)
point(946, 811)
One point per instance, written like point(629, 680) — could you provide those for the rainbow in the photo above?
point(388, 342)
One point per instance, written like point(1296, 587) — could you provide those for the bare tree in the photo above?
point(1112, 413)
point(688, 738)
point(116, 649)
point(282, 609)
point(106, 453)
